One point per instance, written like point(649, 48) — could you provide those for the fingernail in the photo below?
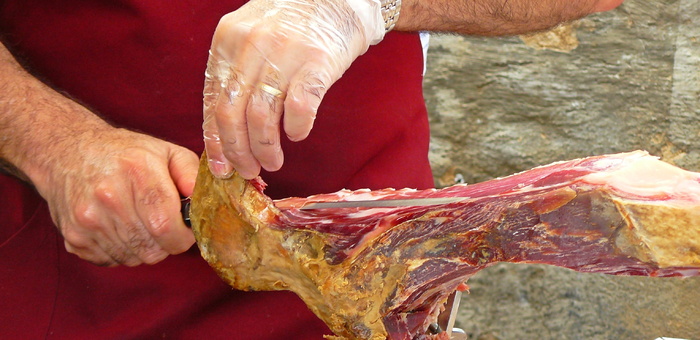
point(220, 169)
point(279, 160)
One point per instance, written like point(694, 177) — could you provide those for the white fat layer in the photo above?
point(650, 177)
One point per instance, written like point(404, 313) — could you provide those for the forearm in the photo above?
point(114, 194)
point(36, 121)
point(494, 17)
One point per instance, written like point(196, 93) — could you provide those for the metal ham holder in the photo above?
point(446, 319)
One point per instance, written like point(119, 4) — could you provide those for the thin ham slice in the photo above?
point(376, 273)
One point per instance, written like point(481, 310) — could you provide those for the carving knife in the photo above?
point(185, 210)
point(382, 203)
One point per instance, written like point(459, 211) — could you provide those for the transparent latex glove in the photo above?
point(270, 64)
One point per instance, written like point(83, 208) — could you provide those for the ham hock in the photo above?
point(384, 273)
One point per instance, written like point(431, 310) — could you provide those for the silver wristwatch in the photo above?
point(390, 13)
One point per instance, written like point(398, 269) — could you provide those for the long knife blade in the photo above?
point(388, 203)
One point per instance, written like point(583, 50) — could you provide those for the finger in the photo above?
point(92, 253)
point(85, 247)
point(247, 49)
point(116, 227)
point(264, 114)
point(183, 167)
point(157, 204)
point(92, 237)
point(166, 232)
point(218, 164)
point(234, 141)
point(141, 246)
point(306, 92)
point(231, 119)
point(90, 232)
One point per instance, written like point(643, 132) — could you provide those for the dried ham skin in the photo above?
point(384, 273)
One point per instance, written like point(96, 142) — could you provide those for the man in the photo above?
point(105, 150)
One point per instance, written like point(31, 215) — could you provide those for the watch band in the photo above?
point(390, 13)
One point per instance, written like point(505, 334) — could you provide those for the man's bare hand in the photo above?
point(116, 199)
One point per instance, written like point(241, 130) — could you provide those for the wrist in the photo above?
point(370, 15)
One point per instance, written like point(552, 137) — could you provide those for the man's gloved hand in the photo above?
point(270, 64)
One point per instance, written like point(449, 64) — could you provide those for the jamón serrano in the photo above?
point(376, 273)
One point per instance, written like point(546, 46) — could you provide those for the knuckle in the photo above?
point(230, 24)
point(298, 121)
point(230, 121)
point(137, 238)
point(257, 115)
point(299, 109)
point(118, 252)
point(133, 159)
point(260, 120)
point(237, 154)
point(86, 216)
point(88, 255)
point(265, 33)
point(230, 143)
point(107, 194)
point(153, 196)
point(294, 106)
point(239, 125)
point(159, 224)
point(267, 145)
point(144, 247)
point(71, 246)
point(77, 241)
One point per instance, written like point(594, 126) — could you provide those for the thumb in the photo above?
point(183, 166)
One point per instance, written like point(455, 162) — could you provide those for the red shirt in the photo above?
point(140, 64)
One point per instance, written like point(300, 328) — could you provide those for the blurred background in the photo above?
point(617, 81)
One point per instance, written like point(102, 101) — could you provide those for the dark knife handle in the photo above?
point(185, 210)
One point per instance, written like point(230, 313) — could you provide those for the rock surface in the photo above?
point(613, 82)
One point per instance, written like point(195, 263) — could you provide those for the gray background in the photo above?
point(501, 105)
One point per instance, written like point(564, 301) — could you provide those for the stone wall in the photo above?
point(617, 81)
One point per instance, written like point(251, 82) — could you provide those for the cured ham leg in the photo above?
point(376, 273)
